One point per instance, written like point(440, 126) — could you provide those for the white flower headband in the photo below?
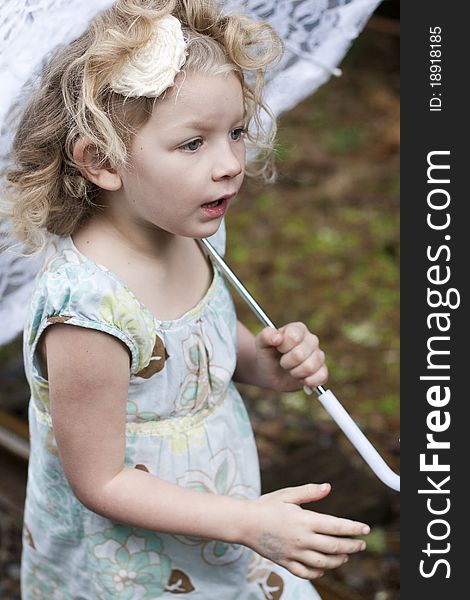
point(151, 70)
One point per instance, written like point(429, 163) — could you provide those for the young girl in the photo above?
point(143, 477)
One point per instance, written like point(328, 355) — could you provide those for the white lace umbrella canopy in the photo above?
point(316, 34)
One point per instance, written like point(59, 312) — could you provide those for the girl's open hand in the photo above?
point(302, 541)
point(302, 361)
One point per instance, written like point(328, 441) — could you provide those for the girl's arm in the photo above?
point(88, 381)
point(246, 358)
point(281, 359)
point(88, 375)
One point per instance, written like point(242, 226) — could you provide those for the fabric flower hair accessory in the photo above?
point(152, 69)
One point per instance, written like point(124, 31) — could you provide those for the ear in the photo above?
point(87, 158)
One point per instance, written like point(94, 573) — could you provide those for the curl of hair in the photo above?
point(45, 189)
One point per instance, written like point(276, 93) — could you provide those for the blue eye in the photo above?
point(192, 146)
point(237, 133)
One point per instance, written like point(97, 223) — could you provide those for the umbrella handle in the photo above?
point(359, 440)
point(326, 397)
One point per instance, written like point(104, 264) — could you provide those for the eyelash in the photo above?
point(184, 147)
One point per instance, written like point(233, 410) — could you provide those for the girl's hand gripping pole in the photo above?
point(326, 397)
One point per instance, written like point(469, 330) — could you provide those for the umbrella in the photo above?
point(316, 34)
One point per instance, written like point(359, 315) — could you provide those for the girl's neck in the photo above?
point(166, 272)
point(138, 240)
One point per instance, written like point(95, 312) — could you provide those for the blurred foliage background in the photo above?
point(320, 246)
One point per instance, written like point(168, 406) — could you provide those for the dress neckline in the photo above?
point(191, 314)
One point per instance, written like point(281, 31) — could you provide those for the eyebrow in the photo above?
point(202, 125)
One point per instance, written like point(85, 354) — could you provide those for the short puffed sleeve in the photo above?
point(86, 296)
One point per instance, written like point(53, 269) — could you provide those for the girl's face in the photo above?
point(188, 161)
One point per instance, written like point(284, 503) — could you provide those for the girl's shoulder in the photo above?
point(73, 289)
point(66, 273)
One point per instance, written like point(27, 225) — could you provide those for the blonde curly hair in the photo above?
point(45, 189)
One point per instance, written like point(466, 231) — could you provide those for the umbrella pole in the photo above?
point(326, 397)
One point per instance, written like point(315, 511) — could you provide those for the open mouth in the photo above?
point(215, 209)
point(214, 204)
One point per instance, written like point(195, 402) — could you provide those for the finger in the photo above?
point(336, 545)
point(301, 570)
point(308, 367)
point(305, 493)
point(293, 334)
point(330, 525)
point(300, 353)
point(269, 338)
point(318, 378)
point(318, 560)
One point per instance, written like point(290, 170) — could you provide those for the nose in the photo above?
point(229, 162)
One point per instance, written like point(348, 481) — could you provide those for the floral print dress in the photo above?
point(186, 423)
